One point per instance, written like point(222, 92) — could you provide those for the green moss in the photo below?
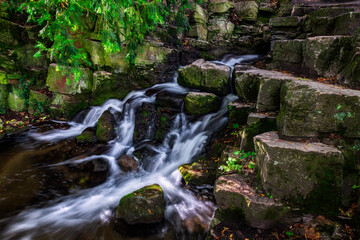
point(99, 98)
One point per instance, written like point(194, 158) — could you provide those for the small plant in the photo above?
point(40, 107)
point(232, 165)
point(236, 125)
point(236, 164)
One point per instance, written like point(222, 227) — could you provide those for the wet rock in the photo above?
point(205, 76)
point(127, 163)
point(199, 103)
point(57, 81)
point(247, 10)
point(87, 136)
point(239, 112)
point(146, 205)
point(171, 101)
point(106, 127)
point(311, 109)
point(308, 175)
point(202, 171)
point(237, 199)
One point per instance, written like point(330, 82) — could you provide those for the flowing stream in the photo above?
point(91, 210)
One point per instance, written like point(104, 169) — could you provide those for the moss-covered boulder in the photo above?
point(246, 84)
point(237, 200)
point(307, 175)
point(247, 10)
point(220, 6)
point(57, 81)
point(206, 76)
point(15, 101)
point(86, 136)
point(220, 30)
point(105, 130)
point(65, 106)
point(144, 206)
point(202, 171)
point(127, 163)
point(150, 54)
point(198, 31)
point(312, 109)
point(199, 103)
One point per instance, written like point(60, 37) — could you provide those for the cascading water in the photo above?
point(85, 210)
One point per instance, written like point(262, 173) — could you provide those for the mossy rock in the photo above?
point(199, 103)
point(86, 136)
point(144, 206)
point(205, 76)
point(220, 6)
point(66, 106)
point(57, 81)
point(105, 130)
point(247, 10)
point(202, 171)
point(306, 175)
point(15, 101)
point(39, 103)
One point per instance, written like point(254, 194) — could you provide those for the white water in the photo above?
point(89, 207)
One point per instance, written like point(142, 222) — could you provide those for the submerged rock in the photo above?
point(127, 163)
point(202, 171)
point(106, 127)
point(146, 205)
point(308, 175)
point(237, 200)
point(206, 76)
point(199, 103)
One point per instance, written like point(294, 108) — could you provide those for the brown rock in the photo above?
point(127, 163)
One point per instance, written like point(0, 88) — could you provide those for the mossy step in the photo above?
point(308, 175)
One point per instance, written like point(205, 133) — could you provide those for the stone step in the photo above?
point(312, 109)
point(239, 112)
point(306, 175)
point(237, 199)
point(313, 56)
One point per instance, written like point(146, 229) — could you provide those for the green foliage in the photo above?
point(40, 107)
point(122, 26)
point(236, 164)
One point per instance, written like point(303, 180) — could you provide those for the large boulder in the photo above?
point(312, 109)
point(58, 82)
point(86, 136)
point(105, 130)
point(288, 54)
point(237, 199)
point(144, 206)
point(307, 175)
point(220, 30)
point(199, 103)
point(206, 76)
